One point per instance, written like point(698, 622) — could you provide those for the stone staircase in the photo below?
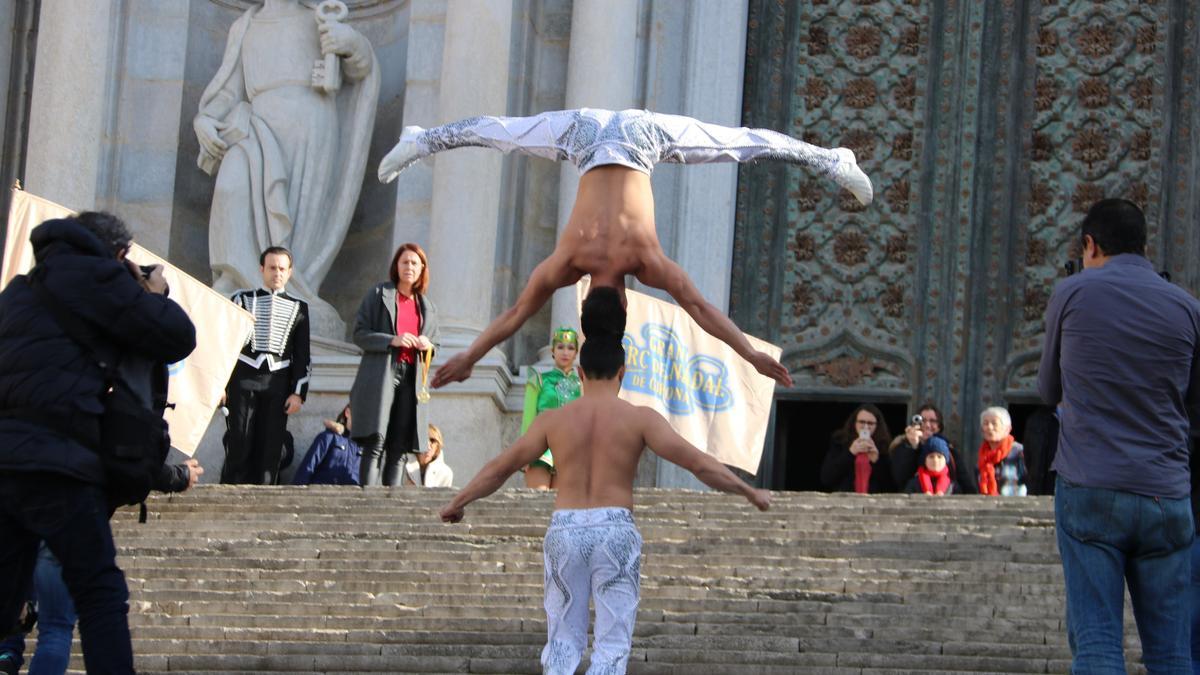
point(325, 579)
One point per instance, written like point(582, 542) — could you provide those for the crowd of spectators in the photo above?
point(863, 456)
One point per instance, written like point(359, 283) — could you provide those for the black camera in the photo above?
point(917, 420)
point(146, 269)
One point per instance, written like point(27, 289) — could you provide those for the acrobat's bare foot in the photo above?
point(848, 175)
point(406, 152)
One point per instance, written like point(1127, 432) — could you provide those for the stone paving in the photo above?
point(322, 579)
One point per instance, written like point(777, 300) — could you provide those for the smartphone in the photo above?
point(864, 434)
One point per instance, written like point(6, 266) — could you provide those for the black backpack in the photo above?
point(133, 440)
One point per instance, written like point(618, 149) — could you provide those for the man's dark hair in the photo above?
point(110, 229)
point(277, 250)
point(603, 323)
point(1117, 226)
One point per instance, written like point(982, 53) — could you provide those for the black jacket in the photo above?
point(904, 467)
point(837, 471)
point(296, 350)
point(44, 369)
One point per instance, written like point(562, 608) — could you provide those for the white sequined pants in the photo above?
point(591, 553)
point(638, 139)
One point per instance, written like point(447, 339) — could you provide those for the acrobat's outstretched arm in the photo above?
point(665, 443)
point(552, 274)
point(666, 274)
point(528, 447)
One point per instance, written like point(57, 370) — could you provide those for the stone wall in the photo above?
point(118, 83)
point(988, 129)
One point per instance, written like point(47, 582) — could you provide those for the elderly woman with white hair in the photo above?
point(1001, 457)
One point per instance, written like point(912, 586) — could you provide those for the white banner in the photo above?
point(709, 394)
point(198, 381)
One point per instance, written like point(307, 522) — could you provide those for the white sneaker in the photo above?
point(407, 151)
point(848, 175)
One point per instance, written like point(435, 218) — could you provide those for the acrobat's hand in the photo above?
point(773, 369)
point(761, 499)
point(451, 515)
point(456, 369)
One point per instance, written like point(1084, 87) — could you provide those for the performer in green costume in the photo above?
point(549, 390)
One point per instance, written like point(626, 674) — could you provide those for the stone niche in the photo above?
point(365, 253)
point(372, 234)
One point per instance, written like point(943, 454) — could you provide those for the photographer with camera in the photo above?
point(58, 394)
point(1121, 363)
point(912, 445)
point(857, 460)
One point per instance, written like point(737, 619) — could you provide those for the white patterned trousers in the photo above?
point(591, 553)
point(638, 139)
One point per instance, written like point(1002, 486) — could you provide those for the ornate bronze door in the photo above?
point(988, 128)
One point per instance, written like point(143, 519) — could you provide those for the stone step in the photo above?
point(327, 579)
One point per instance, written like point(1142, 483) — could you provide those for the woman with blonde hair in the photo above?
point(429, 468)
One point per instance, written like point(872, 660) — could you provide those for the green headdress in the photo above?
point(565, 335)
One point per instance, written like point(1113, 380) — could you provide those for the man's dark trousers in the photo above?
point(72, 517)
point(257, 424)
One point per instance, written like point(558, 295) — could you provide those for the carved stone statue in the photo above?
point(285, 125)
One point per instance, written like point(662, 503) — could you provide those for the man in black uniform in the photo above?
point(270, 380)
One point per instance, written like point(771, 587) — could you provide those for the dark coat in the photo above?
point(332, 459)
point(42, 368)
point(837, 471)
point(904, 466)
point(374, 327)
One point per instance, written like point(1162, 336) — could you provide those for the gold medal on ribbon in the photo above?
point(423, 395)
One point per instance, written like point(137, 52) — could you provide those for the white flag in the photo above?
point(710, 395)
point(197, 382)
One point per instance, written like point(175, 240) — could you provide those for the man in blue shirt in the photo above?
point(1122, 363)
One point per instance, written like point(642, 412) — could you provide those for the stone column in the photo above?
point(414, 189)
point(695, 205)
point(104, 119)
point(463, 224)
point(18, 37)
point(601, 73)
point(703, 207)
point(7, 28)
point(74, 99)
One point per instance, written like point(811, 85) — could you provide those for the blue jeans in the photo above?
point(12, 650)
point(1195, 595)
point(1108, 538)
point(56, 617)
point(72, 518)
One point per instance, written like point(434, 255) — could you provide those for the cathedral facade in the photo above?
point(987, 128)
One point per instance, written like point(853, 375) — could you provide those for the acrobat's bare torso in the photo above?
point(610, 232)
point(611, 229)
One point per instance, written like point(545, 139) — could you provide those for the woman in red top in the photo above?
point(396, 325)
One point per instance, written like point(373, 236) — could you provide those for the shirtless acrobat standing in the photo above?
point(592, 541)
point(611, 230)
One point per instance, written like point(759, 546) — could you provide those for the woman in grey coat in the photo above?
point(397, 329)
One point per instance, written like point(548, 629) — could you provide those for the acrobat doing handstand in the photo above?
point(611, 232)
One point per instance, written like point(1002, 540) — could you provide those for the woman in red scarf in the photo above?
point(858, 460)
point(1001, 458)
